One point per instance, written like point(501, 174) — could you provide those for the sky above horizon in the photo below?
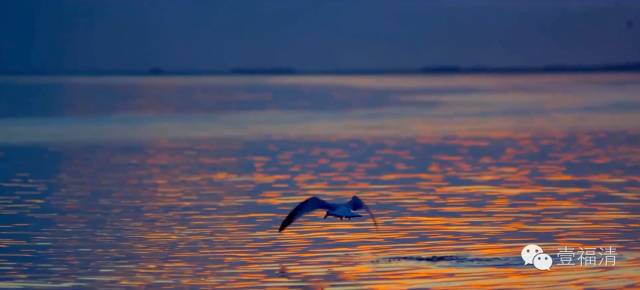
point(75, 36)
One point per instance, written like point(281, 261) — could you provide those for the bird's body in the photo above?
point(340, 211)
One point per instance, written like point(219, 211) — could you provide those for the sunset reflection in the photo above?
point(170, 212)
point(203, 210)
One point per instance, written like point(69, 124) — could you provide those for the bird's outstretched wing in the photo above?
point(309, 205)
point(356, 204)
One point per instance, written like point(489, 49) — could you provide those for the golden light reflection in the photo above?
point(155, 217)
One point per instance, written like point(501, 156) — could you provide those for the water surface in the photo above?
point(173, 182)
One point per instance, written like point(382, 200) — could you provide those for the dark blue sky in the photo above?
point(63, 36)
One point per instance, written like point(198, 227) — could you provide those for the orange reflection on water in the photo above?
point(155, 216)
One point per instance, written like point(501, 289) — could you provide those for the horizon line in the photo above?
point(284, 70)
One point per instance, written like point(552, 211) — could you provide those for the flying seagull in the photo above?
point(341, 211)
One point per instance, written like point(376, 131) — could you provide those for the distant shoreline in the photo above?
point(427, 70)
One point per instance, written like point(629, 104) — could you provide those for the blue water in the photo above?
point(182, 182)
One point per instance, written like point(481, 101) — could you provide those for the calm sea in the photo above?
point(182, 182)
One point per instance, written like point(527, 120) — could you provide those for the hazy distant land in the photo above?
point(432, 69)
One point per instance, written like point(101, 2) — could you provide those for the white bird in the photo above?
point(341, 211)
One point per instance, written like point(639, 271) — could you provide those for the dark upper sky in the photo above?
point(64, 36)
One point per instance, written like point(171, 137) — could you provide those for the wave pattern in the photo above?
point(453, 211)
